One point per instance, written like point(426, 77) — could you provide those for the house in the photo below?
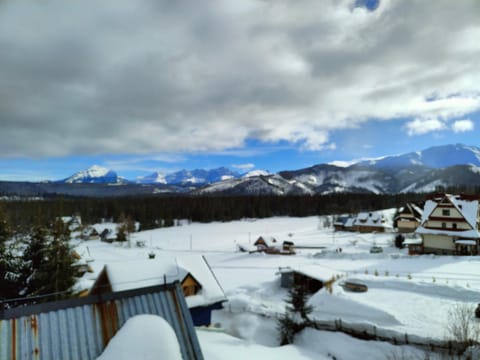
point(80, 264)
point(108, 235)
point(311, 277)
point(449, 224)
point(200, 287)
point(341, 223)
point(89, 233)
point(414, 245)
point(367, 222)
point(81, 328)
point(270, 245)
point(408, 218)
point(264, 242)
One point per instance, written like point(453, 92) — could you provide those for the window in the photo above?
point(189, 290)
point(446, 212)
point(454, 226)
point(444, 225)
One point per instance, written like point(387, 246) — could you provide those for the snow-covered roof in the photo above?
point(467, 233)
point(130, 341)
point(127, 275)
point(465, 242)
point(413, 241)
point(466, 207)
point(318, 272)
point(374, 218)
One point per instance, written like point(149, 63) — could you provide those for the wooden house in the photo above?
point(449, 224)
point(408, 218)
point(200, 287)
point(341, 223)
point(311, 277)
point(414, 245)
point(368, 222)
point(264, 242)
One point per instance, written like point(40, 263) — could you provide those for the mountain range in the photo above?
point(421, 171)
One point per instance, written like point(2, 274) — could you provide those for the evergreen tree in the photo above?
point(296, 316)
point(8, 262)
point(61, 262)
point(35, 263)
point(48, 263)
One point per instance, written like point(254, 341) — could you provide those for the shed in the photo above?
point(200, 287)
point(81, 328)
point(312, 277)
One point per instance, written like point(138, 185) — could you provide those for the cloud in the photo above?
point(424, 126)
point(244, 167)
point(460, 126)
point(151, 76)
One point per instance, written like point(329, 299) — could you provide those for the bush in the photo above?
point(399, 239)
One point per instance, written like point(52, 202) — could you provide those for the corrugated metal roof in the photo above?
point(80, 329)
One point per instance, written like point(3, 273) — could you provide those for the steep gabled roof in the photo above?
point(466, 206)
point(126, 275)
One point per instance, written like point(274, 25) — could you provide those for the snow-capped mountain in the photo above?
point(95, 175)
point(200, 176)
point(421, 171)
point(435, 157)
point(154, 178)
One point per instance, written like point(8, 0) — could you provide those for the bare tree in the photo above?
point(462, 327)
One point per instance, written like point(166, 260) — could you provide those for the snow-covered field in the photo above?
point(406, 294)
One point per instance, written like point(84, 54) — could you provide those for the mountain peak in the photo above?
point(94, 175)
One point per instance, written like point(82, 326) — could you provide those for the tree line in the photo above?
point(156, 211)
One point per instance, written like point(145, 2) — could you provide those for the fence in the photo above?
point(365, 331)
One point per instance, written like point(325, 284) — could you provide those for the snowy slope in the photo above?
point(95, 175)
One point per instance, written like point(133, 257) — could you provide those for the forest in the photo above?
point(155, 211)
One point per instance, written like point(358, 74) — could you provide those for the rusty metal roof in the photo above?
point(80, 329)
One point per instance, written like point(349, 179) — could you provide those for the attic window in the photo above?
point(446, 212)
point(190, 290)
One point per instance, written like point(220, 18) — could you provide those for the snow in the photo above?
point(127, 275)
point(406, 294)
point(256, 173)
point(134, 340)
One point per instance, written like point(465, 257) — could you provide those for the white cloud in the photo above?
point(244, 167)
point(460, 126)
point(155, 76)
point(424, 126)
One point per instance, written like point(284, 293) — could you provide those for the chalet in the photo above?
point(449, 225)
point(200, 287)
point(408, 218)
point(264, 242)
point(311, 277)
point(367, 222)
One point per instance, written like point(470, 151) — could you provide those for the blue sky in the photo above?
point(151, 85)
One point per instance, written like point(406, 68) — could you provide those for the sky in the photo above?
point(155, 85)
